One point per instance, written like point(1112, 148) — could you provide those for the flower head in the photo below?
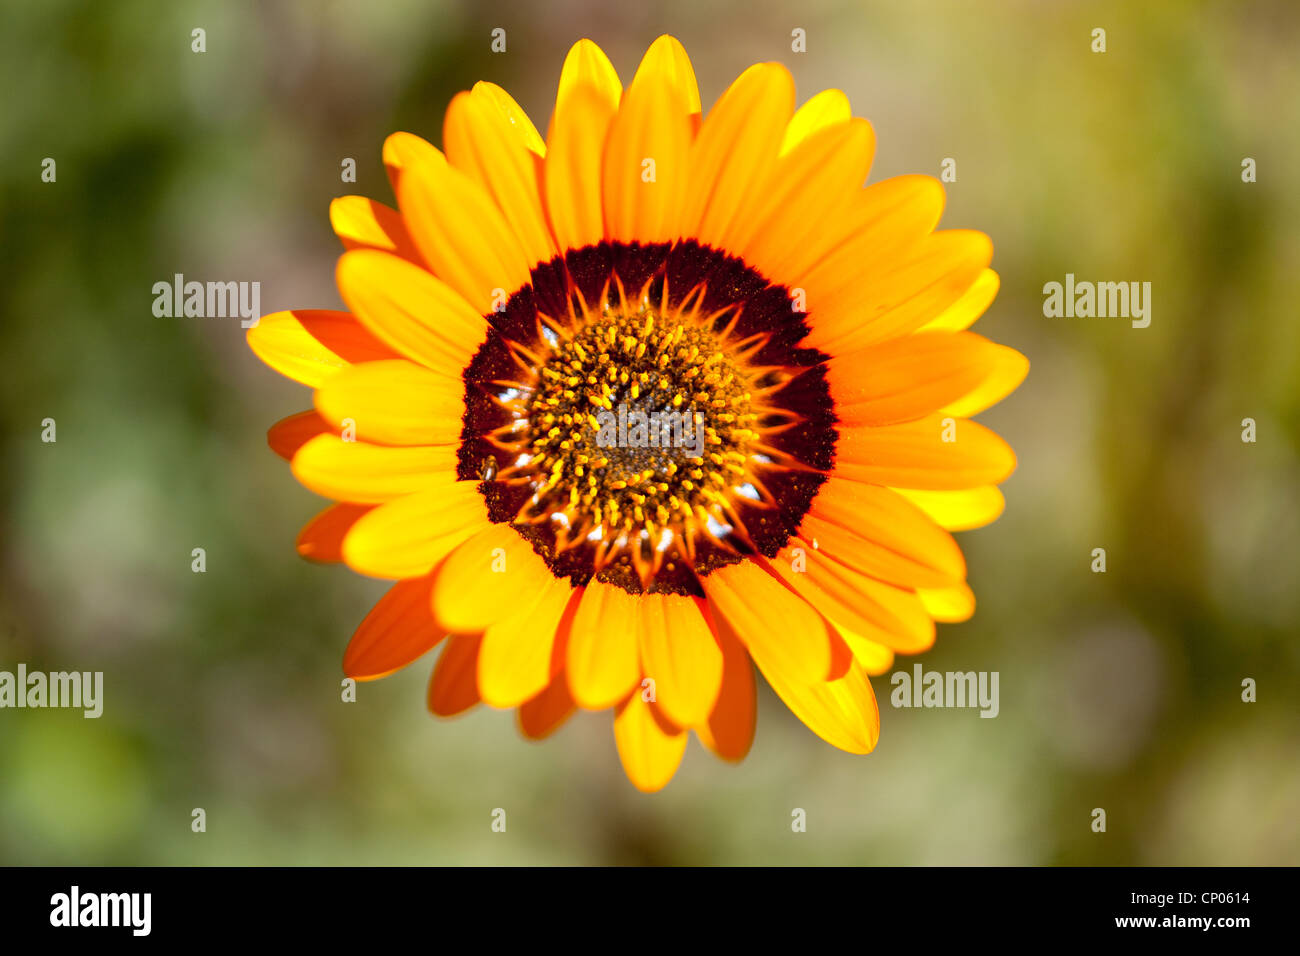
point(627, 408)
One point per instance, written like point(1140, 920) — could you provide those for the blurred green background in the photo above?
point(1119, 690)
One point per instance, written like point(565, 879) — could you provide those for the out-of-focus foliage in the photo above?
point(1119, 690)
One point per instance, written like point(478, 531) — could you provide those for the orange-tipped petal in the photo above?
point(453, 686)
point(543, 715)
point(321, 539)
point(416, 314)
point(362, 223)
point(394, 402)
point(289, 434)
point(310, 345)
point(729, 731)
point(398, 630)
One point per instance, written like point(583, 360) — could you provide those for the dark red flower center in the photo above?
point(644, 415)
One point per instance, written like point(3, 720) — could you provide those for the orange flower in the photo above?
point(623, 410)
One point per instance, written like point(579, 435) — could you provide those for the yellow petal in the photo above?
point(872, 657)
point(488, 575)
point(842, 712)
point(867, 556)
point(650, 752)
point(405, 150)
point(395, 402)
point(911, 376)
point(916, 454)
point(906, 291)
point(573, 171)
point(412, 311)
point(878, 224)
point(883, 534)
point(587, 101)
point(736, 146)
point(488, 136)
point(586, 66)
point(887, 614)
point(959, 509)
point(516, 662)
point(974, 301)
point(666, 59)
point(601, 659)
point(780, 629)
point(368, 474)
point(461, 234)
point(406, 537)
point(807, 186)
point(952, 604)
point(827, 109)
point(515, 115)
point(645, 169)
point(681, 655)
point(1009, 369)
